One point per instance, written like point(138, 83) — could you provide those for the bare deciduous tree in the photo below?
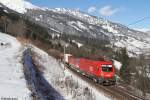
point(144, 74)
point(17, 28)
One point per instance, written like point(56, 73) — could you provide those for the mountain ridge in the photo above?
point(75, 22)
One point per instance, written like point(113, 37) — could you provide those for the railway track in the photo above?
point(114, 91)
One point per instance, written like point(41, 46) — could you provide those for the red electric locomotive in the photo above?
point(100, 71)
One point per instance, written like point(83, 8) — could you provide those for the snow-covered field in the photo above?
point(70, 86)
point(12, 81)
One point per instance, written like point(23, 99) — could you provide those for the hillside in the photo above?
point(72, 22)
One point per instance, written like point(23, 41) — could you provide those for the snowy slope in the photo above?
point(77, 43)
point(75, 22)
point(12, 81)
point(18, 5)
point(117, 64)
point(56, 75)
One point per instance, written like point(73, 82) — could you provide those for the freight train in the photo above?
point(102, 72)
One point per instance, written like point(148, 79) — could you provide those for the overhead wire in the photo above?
point(140, 20)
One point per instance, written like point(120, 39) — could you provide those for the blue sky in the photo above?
point(121, 11)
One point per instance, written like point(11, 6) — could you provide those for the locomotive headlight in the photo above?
point(102, 74)
point(108, 75)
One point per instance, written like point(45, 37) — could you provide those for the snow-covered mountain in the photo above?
point(18, 5)
point(75, 22)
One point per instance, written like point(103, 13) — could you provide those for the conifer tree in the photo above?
point(125, 69)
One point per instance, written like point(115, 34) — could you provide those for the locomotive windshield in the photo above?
point(107, 68)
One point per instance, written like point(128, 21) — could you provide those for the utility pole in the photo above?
point(66, 45)
point(64, 52)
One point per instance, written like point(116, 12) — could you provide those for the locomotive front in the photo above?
point(107, 72)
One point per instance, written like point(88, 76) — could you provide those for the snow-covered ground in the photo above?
point(133, 45)
point(77, 43)
point(108, 27)
point(12, 81)
point(70, 86)
point(117, 64)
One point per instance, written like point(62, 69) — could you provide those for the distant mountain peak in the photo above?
point(18, 5)
point(142, 29)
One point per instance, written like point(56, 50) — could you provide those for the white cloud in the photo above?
point(91, 9)
point(108, 10)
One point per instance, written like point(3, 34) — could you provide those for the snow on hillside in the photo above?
point(73, 24)
point(77, 13)
point(78, 25)
point(133, 45)
point(58, 76)
point(117, 64)
point(18, 5)
point(121, 36)
point(77, 43)
point(108, 27)
point(12, 81)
